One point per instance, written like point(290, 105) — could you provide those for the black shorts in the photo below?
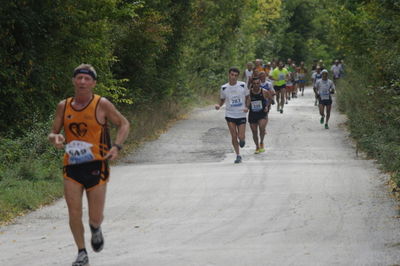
point(237, 121)
point(325, 102)
point(257, 116)
point(88, 174)
point(278, 88)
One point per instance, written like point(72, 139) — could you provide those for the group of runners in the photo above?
point(88, 147)
point(267, 84)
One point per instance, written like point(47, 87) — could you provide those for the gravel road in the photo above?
point(180, 201)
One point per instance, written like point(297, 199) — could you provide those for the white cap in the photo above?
point(324, 71)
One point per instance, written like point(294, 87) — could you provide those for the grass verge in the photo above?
point(373, 122)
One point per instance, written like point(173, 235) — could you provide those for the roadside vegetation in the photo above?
point(157, 59)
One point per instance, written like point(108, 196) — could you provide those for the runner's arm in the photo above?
point(55, 137)
point(248, 102)
point(218, 105)
point(122, 124)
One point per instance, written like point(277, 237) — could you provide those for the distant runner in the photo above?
point(266, 84)
point(259, 65)
point(301, 75)
point(280, 75)
point(248, 73)
point(315, 77)
point(236, 96)
point(290, 83)
point(325, 87)
point(336, 71)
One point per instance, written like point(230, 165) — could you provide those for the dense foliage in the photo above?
point(170, 52)
point(367, 33)
point(145, 52)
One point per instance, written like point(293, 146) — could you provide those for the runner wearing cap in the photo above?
point(325, 87)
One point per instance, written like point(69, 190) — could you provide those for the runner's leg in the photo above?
point(73, 193)
point(321, 110)
point(242, 132)
point(283, 92)
point(234, 134)
point(278, 99)
point(262, 123)
point(96, 201)
point(328, 113)
point(254, 131)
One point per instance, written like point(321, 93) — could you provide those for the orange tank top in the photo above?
point(87, 140)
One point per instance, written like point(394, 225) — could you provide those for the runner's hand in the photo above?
point(112, 154)
point(57, 140)
point(217, 107)
point(245, 109)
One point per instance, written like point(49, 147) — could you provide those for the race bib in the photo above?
point(256, 106)
point(236, 101)
point(281, 76)
point(79, 152)
point(325, 95)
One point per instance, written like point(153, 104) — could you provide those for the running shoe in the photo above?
point(81, 260)
point(273, 102)
point(261, 149)
point(242, 143)
point(97, 240)
point(257, 151)
point(281, 111)
point(286, 102)
point(322, 119)
point(238, 159)
point(326, 126)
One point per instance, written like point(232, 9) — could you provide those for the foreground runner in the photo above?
point(280, 75)
point(84, 119)
point(236, 96)
point(258, 113)
point(325, 87)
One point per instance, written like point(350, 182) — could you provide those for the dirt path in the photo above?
point(180, 200)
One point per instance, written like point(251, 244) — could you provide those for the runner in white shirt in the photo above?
point(325, 87)
point(336, 71)
point(235, 95)
point(248, 73)
point(317, 75)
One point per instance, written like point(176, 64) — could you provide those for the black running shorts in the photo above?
point(237, 121)
point(278, 88)
point(88, 174)
point(325, 102)
point(257, 116)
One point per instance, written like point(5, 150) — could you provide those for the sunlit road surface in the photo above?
point(180, 201)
